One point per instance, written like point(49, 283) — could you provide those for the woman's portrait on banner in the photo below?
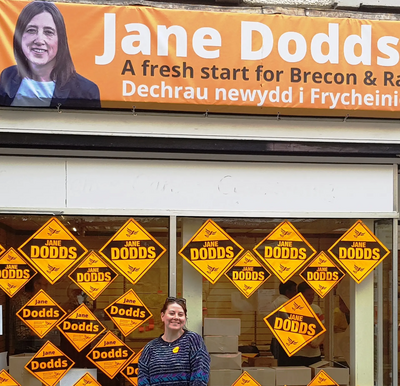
point(44, 74)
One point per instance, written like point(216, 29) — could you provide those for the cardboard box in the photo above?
point(17, 370)
point(222, 344)
point(292, 376)
point(341, 375)
point(226, 361)
point(263, 375)
point(263, 362)
point(222, 326)
point(223, 377)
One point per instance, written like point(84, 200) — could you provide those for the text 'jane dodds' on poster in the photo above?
point(49, 364)
point(247, 274)
point(284, 251)
point(93, 275)
point(358, 251)
point(15, 272)
point(128, 312)
point(41, 313)
point(211, 251)
point(132, 251)
point(294, 324)
point(110, 354)
point(81, 327)
point(52, 250)
point(322, 274)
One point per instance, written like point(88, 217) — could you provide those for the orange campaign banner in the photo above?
point(92, 56)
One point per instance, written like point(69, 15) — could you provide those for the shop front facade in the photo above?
point(101, 173)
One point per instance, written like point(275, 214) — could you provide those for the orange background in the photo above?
point(85, 29)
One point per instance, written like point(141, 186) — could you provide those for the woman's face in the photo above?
point(174, 317)
point(40, 40)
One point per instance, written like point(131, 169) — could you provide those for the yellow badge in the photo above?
point(175, 350)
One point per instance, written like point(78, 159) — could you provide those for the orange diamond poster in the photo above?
point(49, 364)
point(294, 324)
point(284, 251)
point(81, 327)
point(128, 312)
point(52, 250)
point(211, 251)
point(322, 274)
point(130, 372)
point(245, 379)
point(132, 251)
point(110, 354)
point(87, 380)
point(7, 380)
point(358, 251)
point(15, 272)
point(93, 275)
point(322, 379)
point(41, 313)
point(247, 274)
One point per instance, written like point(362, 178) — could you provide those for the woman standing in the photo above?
point(45, 75)
point(178, 357)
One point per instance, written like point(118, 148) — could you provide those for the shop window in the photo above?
point(224, 300)
point(93, 232)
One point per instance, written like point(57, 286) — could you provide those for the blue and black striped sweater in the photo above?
point(184, 362)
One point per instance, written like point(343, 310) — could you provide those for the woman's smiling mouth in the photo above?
point(39, 50)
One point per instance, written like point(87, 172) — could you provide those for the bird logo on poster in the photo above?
point(130, 232)
point(53, 231)
point(285, 233)
point(211, 269)
point(283, 268)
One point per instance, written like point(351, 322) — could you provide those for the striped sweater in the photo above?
point(184, 362)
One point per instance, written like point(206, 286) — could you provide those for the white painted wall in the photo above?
point(168, 187)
